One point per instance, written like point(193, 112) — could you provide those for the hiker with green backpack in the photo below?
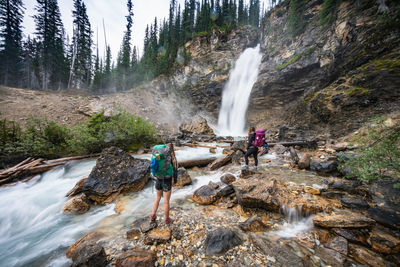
point(163, 167)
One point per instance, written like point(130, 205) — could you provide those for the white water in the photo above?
point(236, 93)
point(296, 223)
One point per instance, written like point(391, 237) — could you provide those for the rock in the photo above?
point(330, 256)
point(386, 217)
point(198, 125)
point(91, 255)
point(87, 240)
point(353, 235)
point(338, 244)
point(245, 173)
point(386, 195)
point(354, 202)
point(133, 233)
point(343, 185)
point(272, 194)
point(213, 150)
point(143, 225)
point(312, 190)
point(237, 157)
point(228, 178)
point(183, 178)
point(239, 146)
point(365, 256)
point(222, 161)
point(136, 257)
point(304, 162)
point(352, 220)
point(324, 168)
point(341, 146)
point(220, 241)
point(77, 188)
point(205, 195)
point(116, 172)
point(279, 149)
point(159, 235)
point(225, 191)
point(77, 205)
point(384, 243)
point(254, 224)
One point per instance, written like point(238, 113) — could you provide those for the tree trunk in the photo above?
point(218, 163)
point(195, 162)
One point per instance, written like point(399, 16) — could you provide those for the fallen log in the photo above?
point(309, 144)
point(218, 163)
point(198, 145)
point(71, 158)
point(6, 171)
point(195, 162)
point(226, 141)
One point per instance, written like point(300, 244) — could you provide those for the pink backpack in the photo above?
point(260, 138)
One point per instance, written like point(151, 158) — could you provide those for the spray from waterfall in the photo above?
point(236, 93)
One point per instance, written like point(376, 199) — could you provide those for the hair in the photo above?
point(251, 129)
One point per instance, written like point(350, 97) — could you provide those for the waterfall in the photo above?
point(297, 222)
point(236, 93)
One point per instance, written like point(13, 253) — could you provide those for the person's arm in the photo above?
point(250, 140)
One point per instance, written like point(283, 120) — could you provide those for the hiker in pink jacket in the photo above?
point(255, 140)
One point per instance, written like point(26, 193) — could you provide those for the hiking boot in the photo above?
point(169, 221)
point(153, 218)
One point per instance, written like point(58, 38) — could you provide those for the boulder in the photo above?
point(91, 255)
point(183, 178)
point(205, 195)
point(136, 257)
point(198, 125)
point(89, 239)
point(220, 241)
point(142, 225)
point(159, 235)
point(77, 188)
point(344, 220)
point(385, 194)
point(325, 168)
point(384, 243)
point(246, 173)
point(77, 205)
point(344, 185)
point(254, 224)
point(228, 178)
point(237, 158)
point(386, 217)
point(304, 162)
point(365, 256)
point(279, 149)
point(116, 172)
point(354, 202)
point(239, 146)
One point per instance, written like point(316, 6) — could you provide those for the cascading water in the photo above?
point(236, 93)
point(296, 222)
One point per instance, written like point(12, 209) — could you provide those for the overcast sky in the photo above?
point(113, 12)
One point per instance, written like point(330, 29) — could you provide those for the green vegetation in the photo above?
point(382, 65)
point(296, 57)
point(296, 19)
point(357, 90)
point(44, 138)
point(378, 152)
point(328, 11)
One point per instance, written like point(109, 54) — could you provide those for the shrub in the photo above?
point(378, 153)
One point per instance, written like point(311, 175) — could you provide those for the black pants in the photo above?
point(251, 151)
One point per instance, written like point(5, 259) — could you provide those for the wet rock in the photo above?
point(386, 195)
point(254, 224)
point(384, 242)
point(239, 146)
point(90, 256)
point(198, 125)
point(213, 150)
point(228, 178)
point(324, 168)
point(347, 220)
point(133, 233)
point(87, 240)
point(238, 157)
point(304, 162)
point(136, 257)
point(338, 244)
point(116, 172)
point(386, 217)
point(312, 190)
point(77, 205)
point(213, 185)
point(205, 195)
point(330, 256)
point(333, 194)
point(365, 256)
point(353, 235)
point(279, 149)
point(220, 241)
point(77, 188)
point(183, 178)
point(354, 202)
point(143, 225)
point(245, 173)
point(225, 191)
point(347, 186)
point(159, 235)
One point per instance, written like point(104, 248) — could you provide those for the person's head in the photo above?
point(251, 129)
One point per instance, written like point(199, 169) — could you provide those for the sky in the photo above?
point(113, 13)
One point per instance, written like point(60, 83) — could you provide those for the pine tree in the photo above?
point(11, 16)
point(296, 17)
point(241, 14)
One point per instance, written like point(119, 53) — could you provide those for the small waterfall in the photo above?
point(297, 222)
point(236, 93)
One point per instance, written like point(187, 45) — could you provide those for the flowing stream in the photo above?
point(236, 93)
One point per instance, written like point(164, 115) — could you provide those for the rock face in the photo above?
point(198, 125)
point(220, 241)
point(116, 172)
point(77, 205)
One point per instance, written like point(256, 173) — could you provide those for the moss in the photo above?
point(311, 97)
point(382, 65)
point(357, 91)
point(296, 57)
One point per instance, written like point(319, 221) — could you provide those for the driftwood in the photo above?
point(309, 144)
point(226, 141)
point(30, 167)
point(218, 163)
point(195, 162)
point(198, 145)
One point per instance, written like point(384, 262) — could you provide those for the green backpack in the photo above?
point(161, 164)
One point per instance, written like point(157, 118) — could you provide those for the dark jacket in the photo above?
point(252, 138)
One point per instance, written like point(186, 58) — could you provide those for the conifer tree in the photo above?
point(296, 17)
point(11, 16)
